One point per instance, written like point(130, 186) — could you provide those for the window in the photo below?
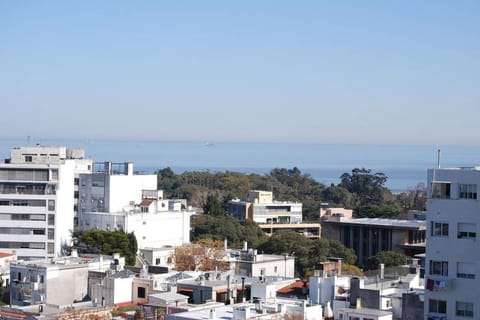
point(465, 270)
point(54, 175)
point(50, 248)
point(439, 268)
point(75, 194)
point(439, 229)
point(466, 231)
point(141, 292)
point(51, 234)
point(28, 158)
point(51, 219)
point(441, 190)
point(157, 261)
point(275, 269)
point(76, 181)
point(38, 231)
point(51, 205)
point(464, 309)
point(437, 306)
point(468, 191)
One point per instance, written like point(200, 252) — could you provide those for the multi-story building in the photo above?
point(261, 208)
point(156, 222)
point(37, 188)
point(452, 269)
point(112, 186)
point(272, 215)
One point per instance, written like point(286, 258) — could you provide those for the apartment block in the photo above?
point(37, 203)
point(452, 273)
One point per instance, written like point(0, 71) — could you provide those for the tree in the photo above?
point(226, 227)
point(388, 258)
point(213, 206)
point(414, 198)
point(108, 242)
point(371, 197)
point(293, 244)
point(204, 255)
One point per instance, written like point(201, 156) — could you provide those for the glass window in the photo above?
point(439, 229)
point(466, 231)
point(439, 268)
point(51, 234)
point(51, 205)
point(464, 309)
point(465, 270)
point(437, 306)
point(441, 190)
point(468, 191)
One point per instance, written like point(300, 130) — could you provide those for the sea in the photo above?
point(404, 165)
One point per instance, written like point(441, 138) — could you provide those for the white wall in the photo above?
point(121, 189)
point(64, 206)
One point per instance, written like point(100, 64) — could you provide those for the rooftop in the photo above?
point(380, 222)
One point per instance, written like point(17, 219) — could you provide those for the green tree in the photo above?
point(213, 206)
point(292, 244)
point(107, 242)
point(388, 258)
point(226, 227)
point(371, 197)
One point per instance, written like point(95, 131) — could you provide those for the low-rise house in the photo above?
point(46, 281)
point(250, 263)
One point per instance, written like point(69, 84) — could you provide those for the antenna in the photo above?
point(438, 158)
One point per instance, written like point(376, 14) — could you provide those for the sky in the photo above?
point(383, 72)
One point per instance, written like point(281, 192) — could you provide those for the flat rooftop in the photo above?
point(379, 222)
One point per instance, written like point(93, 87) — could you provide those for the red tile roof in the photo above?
point(146, 202)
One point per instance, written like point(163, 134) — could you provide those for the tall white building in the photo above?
point(452, 267)
point(37, 188)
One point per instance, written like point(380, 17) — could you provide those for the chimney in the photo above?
point(213, 314)
point(245, 245)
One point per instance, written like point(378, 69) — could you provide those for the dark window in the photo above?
point(51, 219)
point(437, 306)
point(141, 292)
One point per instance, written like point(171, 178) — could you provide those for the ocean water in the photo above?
point(404, 165)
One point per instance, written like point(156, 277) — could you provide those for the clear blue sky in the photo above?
point(404, 72)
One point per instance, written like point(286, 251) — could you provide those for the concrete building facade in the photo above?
point(367, 236)
point(37, 200)
point(452, 264)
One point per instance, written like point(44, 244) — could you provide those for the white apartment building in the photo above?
point(452, 267)
point(112, 186)
point(261, 208)
point(156, 222)
point(37, 187)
